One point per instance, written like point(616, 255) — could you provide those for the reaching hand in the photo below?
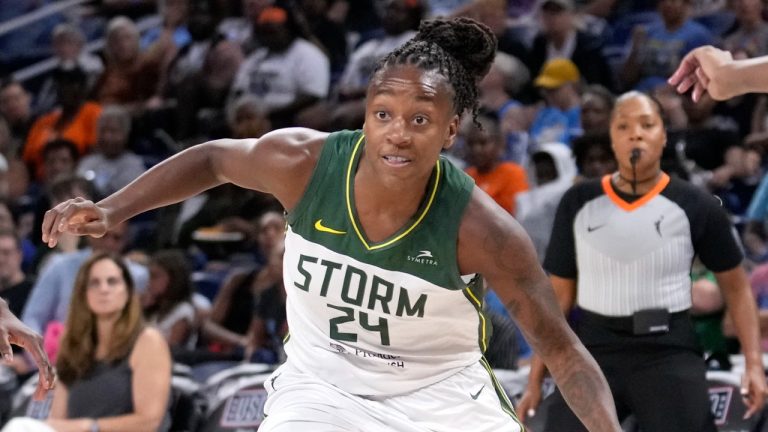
point(753, 390)
point(13, 331)
point(528, 403)
point(76, 216)
point(701, 69)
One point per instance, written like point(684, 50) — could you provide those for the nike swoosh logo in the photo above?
point(320, 227)
point(590, 229)
point(474, 396)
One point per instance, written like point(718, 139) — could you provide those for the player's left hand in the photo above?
point(753, 389)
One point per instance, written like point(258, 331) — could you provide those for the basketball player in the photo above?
point(385, 332)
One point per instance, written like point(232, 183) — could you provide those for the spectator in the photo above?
point(174, 14)
point(246, 119)
point(268, 327)
point(559, 120)
point(16, 108)
point(749, 39)
point(131, 77)
point(596, 107)
point(503, 181)
point(658, 48)
point(553, 173)
point(15, 286)
point(594, 156)
point(233, 307)
point(498, 90)
point(287, 74)
point(201, 97)
point(559, 38)
point(75, 120)
point(114, 373)
point(167, 302)
point(112, 166)
point(48, 302)
point(399, 22)
point(68, 50)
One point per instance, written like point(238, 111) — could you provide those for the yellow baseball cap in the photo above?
point(557, 72)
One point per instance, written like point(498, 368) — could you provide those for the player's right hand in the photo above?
point(528, 403)
point(75, 216)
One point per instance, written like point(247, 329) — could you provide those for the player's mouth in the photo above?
point(396, 161)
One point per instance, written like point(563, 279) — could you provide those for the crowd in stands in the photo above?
point(174, 73)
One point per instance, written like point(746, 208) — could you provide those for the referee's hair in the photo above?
point(634, 93)
point(460, 49)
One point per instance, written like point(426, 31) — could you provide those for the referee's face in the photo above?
point(637, 125)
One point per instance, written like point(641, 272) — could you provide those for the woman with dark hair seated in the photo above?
point(114, 372)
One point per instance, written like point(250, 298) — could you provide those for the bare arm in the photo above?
point(492, 243)
point(279, 163)
point(565, 291)
point(712, 70)
point(743, 313)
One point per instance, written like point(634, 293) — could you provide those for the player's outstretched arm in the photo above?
point(714, 71)
point(492, 243)
point(279, 163)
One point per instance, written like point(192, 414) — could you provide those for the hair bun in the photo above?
point(471, 43)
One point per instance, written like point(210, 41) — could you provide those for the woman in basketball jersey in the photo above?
point(621, 250)
point(383, 240)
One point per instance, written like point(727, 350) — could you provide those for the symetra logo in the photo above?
point(423, 257)
point(322, 228)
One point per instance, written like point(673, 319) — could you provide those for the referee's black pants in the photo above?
point(659, 379)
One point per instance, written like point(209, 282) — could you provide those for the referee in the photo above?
point(621, 250)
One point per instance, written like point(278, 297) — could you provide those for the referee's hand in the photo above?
point(753, 389)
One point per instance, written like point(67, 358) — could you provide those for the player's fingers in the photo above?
point(698, 91)
point(33, 344)
point(702, 77)
point(687, 66)
point(687, 82)
point(95, 228)
point(5, 346)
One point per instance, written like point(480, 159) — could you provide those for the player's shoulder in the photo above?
point(686, 194)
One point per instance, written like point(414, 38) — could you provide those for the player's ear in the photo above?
point(453, 130)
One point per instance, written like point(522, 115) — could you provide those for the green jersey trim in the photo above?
point(353, 160)
point(504, 401)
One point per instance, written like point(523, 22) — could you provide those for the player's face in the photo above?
point(409, 119)
point(636, 124)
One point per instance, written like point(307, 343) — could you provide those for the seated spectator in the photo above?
point(227, 326)
point(658, 47)
point(399, 22)
point(68, 52)
point(596, 107)
point(114, 373)
point(49, 300)
point(559, 38)
point(201, 97)
point(74, 120)
point(268, 327)
point(167, 302)
point(16, 108)
point(501, 180)
point(498, 89)
point(750, 35)
point(15, 285)
point(112, 166)
point(594, 156)
point(131, 77)
point(330, 36)
point(559, 120)
point(554, 172)
point(754, 237)
point(174, 14)
point(287, 74)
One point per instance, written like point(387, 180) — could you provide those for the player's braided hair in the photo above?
point(461, 49)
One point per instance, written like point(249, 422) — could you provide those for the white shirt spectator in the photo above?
point(111, 175)
point(276, 79)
